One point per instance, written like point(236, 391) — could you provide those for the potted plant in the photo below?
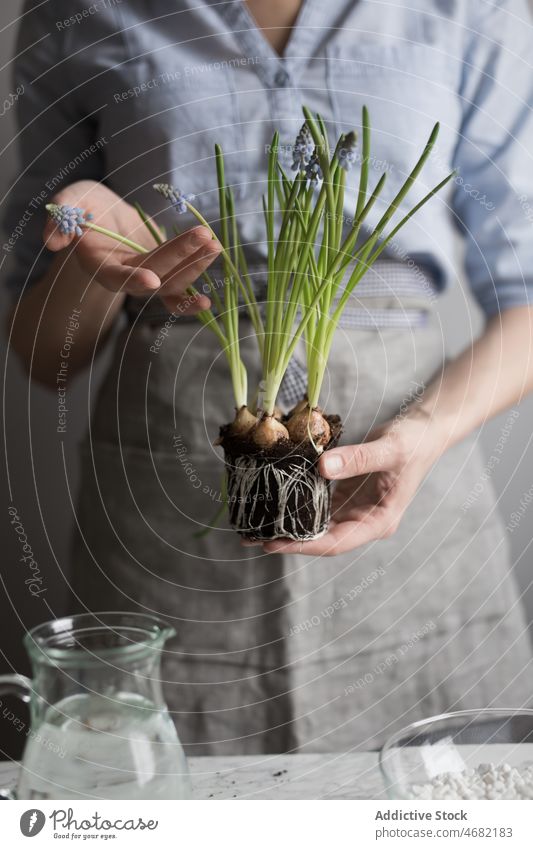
point(314, 263)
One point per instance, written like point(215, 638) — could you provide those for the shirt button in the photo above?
point(282, 78)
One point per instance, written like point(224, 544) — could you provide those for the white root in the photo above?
point(300, 485)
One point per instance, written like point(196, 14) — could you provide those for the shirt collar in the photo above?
point(275, 71)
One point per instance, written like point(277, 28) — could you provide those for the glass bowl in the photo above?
point(450, 754)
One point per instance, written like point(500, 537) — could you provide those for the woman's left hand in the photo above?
point(377, 480)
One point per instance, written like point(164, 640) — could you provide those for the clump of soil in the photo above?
point(277, 491)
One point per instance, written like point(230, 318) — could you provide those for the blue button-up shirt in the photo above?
point(138, 91)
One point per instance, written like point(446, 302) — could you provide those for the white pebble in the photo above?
point(488, 781)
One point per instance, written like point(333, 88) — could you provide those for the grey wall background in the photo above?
point(36, 484)
point(41, 476)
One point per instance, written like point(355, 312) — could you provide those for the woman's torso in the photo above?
point(284, 652)
point(162, 87)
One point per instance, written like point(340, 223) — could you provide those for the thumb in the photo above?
point(348, 461)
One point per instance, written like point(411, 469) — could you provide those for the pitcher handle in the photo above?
point(14, 685)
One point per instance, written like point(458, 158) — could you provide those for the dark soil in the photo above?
point(237, 445)
point(277, 492)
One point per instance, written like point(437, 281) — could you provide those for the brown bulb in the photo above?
point(243, 422)
point(268, 431)
point(309, 426)
point(301, 405)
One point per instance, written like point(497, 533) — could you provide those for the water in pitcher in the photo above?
point(89, 746)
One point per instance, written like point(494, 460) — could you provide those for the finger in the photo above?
point(341, 537)
point(190, 270)
point(53, 239)
point(348, 461)
point(134, 281)
point(164, 259)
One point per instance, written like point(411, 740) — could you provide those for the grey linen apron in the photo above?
point(294, 653)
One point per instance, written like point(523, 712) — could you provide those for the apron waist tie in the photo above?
point(393, 294)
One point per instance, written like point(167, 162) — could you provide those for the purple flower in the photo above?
point(347, 153)
point(179, 200)
point(303, 149)
point(313, 171)
point(69, 219)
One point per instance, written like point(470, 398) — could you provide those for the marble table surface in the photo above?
point(330, 776)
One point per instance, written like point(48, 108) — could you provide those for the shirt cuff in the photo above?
point(496, 297)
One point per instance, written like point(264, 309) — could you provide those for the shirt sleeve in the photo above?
point(493, 195)
point(54, 142)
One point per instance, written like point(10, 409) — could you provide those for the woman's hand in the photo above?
point(379, 478)
point(93, 273)
point(376, 481)
point(168, 269)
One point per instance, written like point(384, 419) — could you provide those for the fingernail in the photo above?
point(333, 463)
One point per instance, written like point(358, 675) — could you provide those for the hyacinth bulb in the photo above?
point(309, 426)
point(301, 405)
point(268, 431)
point(243, 422)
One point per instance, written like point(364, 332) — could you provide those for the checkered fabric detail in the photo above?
point(387, 279)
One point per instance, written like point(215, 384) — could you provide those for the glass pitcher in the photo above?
point(99, 726)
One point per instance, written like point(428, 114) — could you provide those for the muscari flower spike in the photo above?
point(313, 171)
point(347, 153)
point(303, 148)
point(69, 219)
point(177, 198)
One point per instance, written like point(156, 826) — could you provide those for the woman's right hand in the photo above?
point(167, 270)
